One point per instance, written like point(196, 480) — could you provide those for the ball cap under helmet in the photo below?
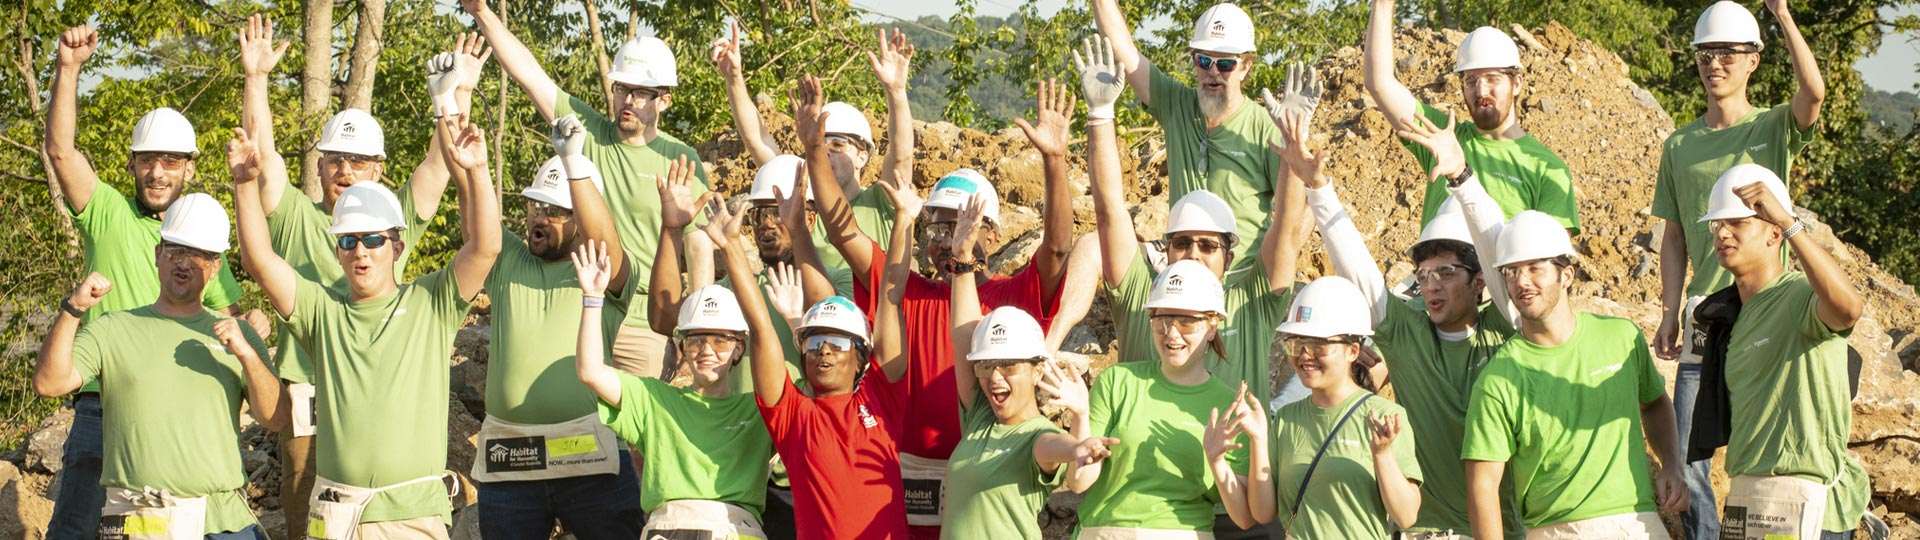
point(1008, 334)
point(836, 313)
point(712, 307)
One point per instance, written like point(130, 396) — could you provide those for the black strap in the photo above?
point(1301, 494)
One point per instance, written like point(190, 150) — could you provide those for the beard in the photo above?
point(1212, 105)
point(1492, 117)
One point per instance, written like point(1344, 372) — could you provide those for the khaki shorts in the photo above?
point(637, 350)
point(407, 529)
point(1639, 526)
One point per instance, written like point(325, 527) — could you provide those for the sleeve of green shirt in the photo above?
point(1652, 385)
point(1489, 435)
point(444, 288)
point(310, 302)
point(628, 421)
point(224, 291)
point(1666, 203)
point(105, 207)
point(1810, 324)
point(1780, 120)
point(603, 130)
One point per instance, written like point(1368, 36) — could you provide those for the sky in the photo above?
point(1892, 68)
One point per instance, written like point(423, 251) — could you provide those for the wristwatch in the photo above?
point(1795, 229)
point(66, 304)
point(961, 267)
point(1466, 171)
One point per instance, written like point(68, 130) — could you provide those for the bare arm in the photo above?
point(828, 200)
point(71, 168)
point(1242, 496)
point(1079, 450)
point(1050, 138)
point(963, 311)
point(1483, 497)
point(258, 56)
point(53, 372)
point(1400, 495)
point(1100, 83)
point(263, 387)
point(518, 61)
point(889, 338)
point(769, 363)
point(276, 278)
point(1280, 244)
point(1806, 69)
point(1837, 303)
point(1662, 431)
point(569, 140)
point(746, 115)
point(1673, 283)
point(1113, 25)
point(465, 146)
point(664, 289)
point(892, 66)
point(1392, 97)
point(593, 263)
point(793, 216)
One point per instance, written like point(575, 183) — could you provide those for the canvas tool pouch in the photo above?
point(333, 510)
point(152, 514)
point(511, 452)
point(1774, 508)
point(924, 481)
point(689, 519)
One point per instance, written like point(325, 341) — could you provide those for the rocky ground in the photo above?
point(1578, 100)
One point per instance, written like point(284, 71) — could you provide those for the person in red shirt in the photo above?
point(838, 445)
point(928, 437)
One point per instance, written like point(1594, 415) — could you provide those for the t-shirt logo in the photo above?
point(866, 419)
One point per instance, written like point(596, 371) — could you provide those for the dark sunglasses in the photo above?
point(347, 242)
point(1222, 65)
point(1206, 246)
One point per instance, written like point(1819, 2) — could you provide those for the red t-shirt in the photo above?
point(934, 428)
point(841, 459)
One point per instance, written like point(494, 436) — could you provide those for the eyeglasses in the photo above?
point(549, 212)
point(825, 343)
point(1185, 324)
point(842, 143)
point(347, 242)
point(1438, 274)
point(934, 229)
point(176, 252)
point(1312, 346)
point(718, 343)
point(166, 160)
point(630, 92)
point(1207, 246)
point(1003, 367)
point(1722, 56)
point(1220, 65)
point(763, 215)
point(351, 161)
point(1487, 77)
point(1528, 270)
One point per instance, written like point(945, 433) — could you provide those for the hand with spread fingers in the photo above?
point(1222, 435)
point(1448, 158)
point(677, 203)
point(893, 63)
point(785, 293)
point(258, 52)
point(907, 202)
point(243, 158)
point(966, 229)
point(1302, 93)
point(1055, 109)
point(470, 54)
point(1298, 154)
point(594, 266)
point(1093, 450)
point(1764, 206)
point(723, 222)
point(1068, 391)
point(1381, 430)
point(809, 121)
point(1100, 78)
point(462, 143)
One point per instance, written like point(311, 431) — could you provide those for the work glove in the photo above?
point(570, 143)
point(1099, 77)
point(443, 75)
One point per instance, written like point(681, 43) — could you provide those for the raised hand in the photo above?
point(474, 7)
point(258, 52)
point(462, 143)
point(243, 158)
point(676, 196)
point(262, 325)
point(1222, 434)
point(784, 291)
point(893, 62)
point(594, 266)
point(230, 336)
point(1099, 76)
point(808, 119)
point(966, 229)
point(1297, 154)
point(1448, 159)
point(1757, 198)
point(442, 76)
point(1381, 430)
point(569, 138)
point(1252, 417)
point(89, 292)
point(1068, 391)
point(907, 202)
point(793, 206)
point(723, 223)
point(470, 54)
point(1302, 92)
point(77, 45)
point(1055, 108)
point(726, 53)
point(1093, 450)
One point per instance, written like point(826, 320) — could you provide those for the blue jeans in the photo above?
point(76, 508)
point(1701, 520)
point(252, 532)
point(591, 507)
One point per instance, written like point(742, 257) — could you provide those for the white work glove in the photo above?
point(1099, 77)
point(1302, 93)
point(570, 143)
point(443, 75)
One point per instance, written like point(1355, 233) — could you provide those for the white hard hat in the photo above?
point(1486, 47)
point(1008, 333)
point(1327, 307)
point(1532, 235)
point(1200, 210)
point(197, 221)
point(645, 61)
point(1726, 22)
point(366, 207)
point(1722, 203)
point(845, 119)
point(550, 183)
point(1188, 285)
point(958, 186)
point(164, 130)
point(712, 307)
point(1224, 28)
point(353, 131)
point(836, 313)
point(1449, 223)
point(778, 172)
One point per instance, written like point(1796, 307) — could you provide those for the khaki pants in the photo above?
point(296, 481)
point(1640, 526)
point(637, 350)
point(430, 527)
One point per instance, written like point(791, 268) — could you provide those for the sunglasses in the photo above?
point(1725, 57)
point(1220, 65)
point(1183, 243)
point(175, 252)
point(347, 242)
point(843, 143)
point(826, 343)
point(548, 212)
point(763, 215)
point(934, 229)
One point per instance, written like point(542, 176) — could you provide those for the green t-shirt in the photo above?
point(171, 420)
point(1157, 477)
point(1520, 174)
point(742, 381)
point(1432, 378)
point(1566, 421)
point(119, 243)
point(695, 447)
point(994, 488)
point(1253, 311)
point(297, 229)
point(1787, 374)
point(1231, 160)
point(1343, 497)
point(536, 313)
point(1692, 160)
point(631, 174)
point(380, 383)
